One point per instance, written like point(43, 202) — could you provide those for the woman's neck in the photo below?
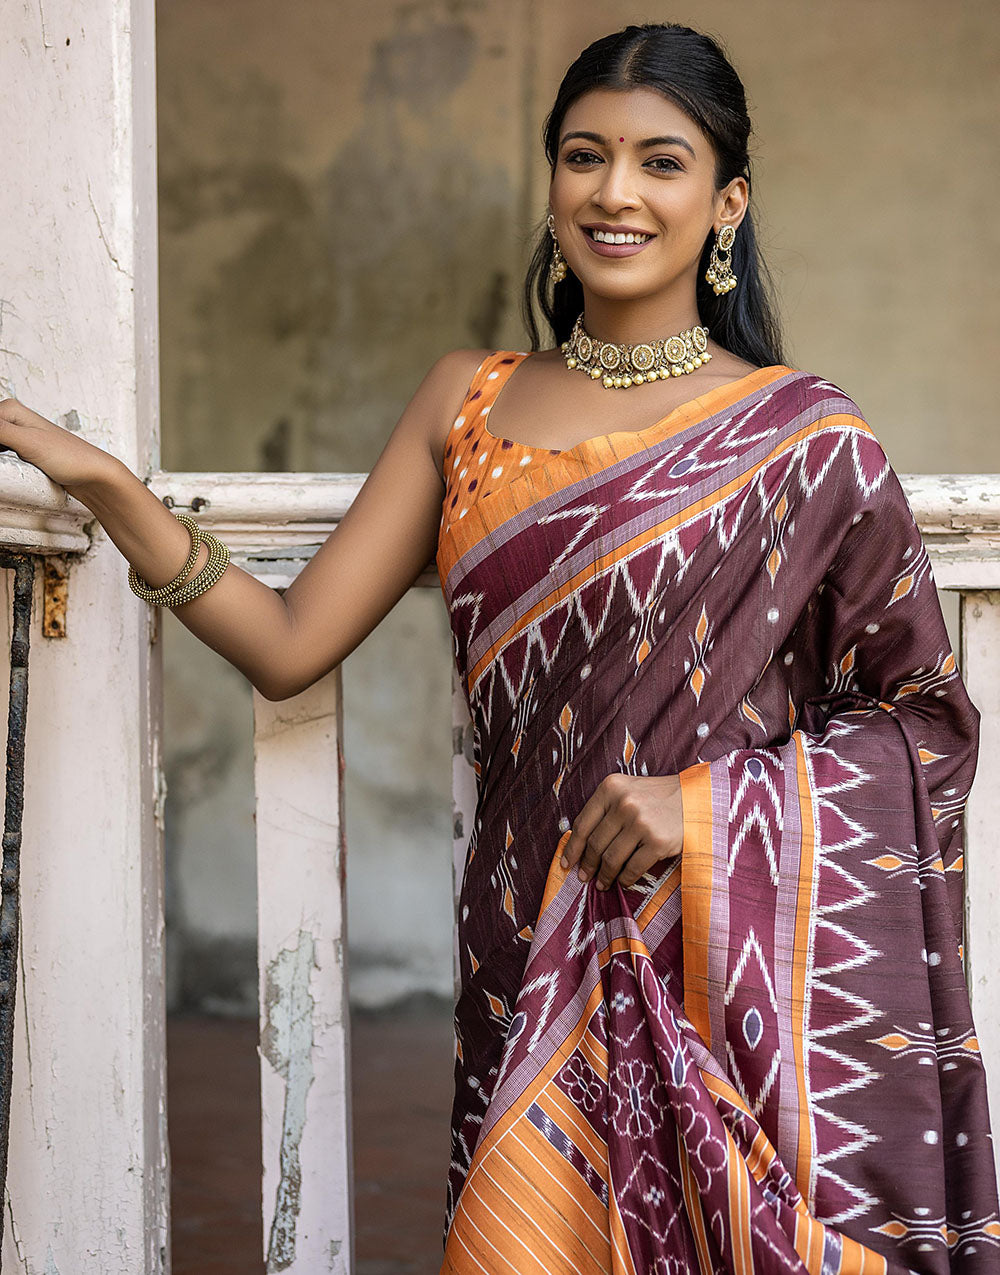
point(637, 320)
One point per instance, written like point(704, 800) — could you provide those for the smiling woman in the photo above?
point(706, 665)
point(713, 1014)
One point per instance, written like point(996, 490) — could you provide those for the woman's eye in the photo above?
point(660, 164)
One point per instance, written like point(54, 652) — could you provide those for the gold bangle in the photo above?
point(160, 595)
point(211, 573)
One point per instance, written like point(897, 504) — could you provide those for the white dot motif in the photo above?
point(772, 615)
point(962, 1139)
point(930, 1136)
point(493, 376)
point(871, 628)
point(702, 730)
point(525, 460)
point(496, 471)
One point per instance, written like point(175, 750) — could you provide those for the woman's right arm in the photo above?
point(281, 643)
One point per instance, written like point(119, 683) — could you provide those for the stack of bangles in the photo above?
point(177, 591)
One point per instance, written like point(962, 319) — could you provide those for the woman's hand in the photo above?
point(65, 457)
point(630, 823)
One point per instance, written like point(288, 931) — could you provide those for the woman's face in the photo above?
point(631, 160)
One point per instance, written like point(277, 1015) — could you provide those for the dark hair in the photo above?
point(691, 69)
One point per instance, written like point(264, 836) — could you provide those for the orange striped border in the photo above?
point(696, 892)
point(801, 947)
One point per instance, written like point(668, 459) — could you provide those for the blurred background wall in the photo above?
point(349, 190)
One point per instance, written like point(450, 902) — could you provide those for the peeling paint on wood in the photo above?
point(305, 1051)
point(286, 1042)
point(87, 1177)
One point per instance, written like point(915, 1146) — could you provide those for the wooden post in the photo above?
point(980, 645)
point(304, 1021)
point(87, 1179)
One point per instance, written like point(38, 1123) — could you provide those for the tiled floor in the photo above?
point(402, 1077)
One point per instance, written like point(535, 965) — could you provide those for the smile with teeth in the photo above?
point(605, 236)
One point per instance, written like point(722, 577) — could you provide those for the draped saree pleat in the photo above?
point(761, 1056)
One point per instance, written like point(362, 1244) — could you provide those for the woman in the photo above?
point(713, 1014)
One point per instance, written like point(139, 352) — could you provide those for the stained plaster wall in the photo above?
point(349, 190)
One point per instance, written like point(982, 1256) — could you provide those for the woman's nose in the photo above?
point(617, 188)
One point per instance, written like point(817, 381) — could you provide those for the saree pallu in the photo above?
point(759, 1058)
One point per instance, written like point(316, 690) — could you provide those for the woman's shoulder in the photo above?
point(449, 382)
point(461, 366)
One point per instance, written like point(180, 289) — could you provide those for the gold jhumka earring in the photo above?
point(720, 273)
point(557, 266)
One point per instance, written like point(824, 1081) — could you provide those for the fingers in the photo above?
point(13, 417)
point(8, 416)
point(629, 824)
point(12, 411)
point(597, 850)
point(639, 863)
point(614, 858)
point(588, 820)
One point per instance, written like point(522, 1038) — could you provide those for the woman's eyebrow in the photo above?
point(668, 140)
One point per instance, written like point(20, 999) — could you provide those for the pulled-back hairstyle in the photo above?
point(691, 70)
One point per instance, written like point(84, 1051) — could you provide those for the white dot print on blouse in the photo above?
point(493, 376)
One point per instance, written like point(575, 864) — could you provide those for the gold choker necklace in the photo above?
point(620, 366)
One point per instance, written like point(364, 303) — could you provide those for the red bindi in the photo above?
point(621, 139)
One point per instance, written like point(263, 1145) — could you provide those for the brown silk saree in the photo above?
point(759, 1058)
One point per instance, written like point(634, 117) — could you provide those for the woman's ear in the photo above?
point(731, 204)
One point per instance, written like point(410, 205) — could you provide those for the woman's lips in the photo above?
point(616, 249)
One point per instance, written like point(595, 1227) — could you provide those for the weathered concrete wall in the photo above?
point(348, 191)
